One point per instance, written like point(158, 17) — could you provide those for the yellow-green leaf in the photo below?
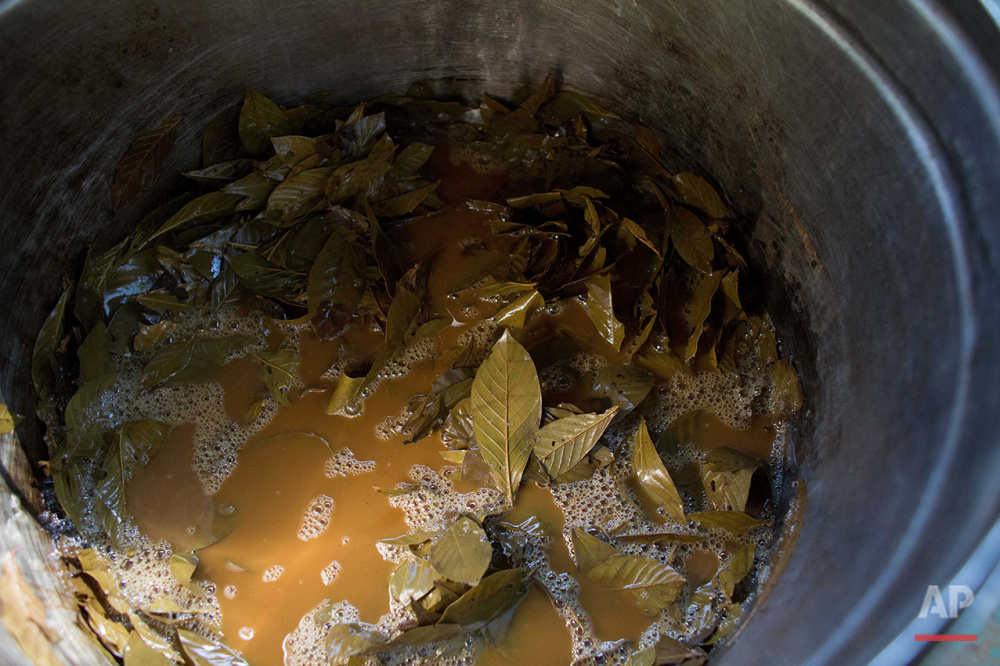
point(261, 119)
point(590, 551)
point(463, 552)
point(203, 651)
point(786, 393)
point(506, 411)
point(653, 585)
point(601, 310)
point(560, 445)
point(695, 191)
point(691, 238)
point(652, 478)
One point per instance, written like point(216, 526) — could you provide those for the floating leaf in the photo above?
point(463, 552)
point(163, 302)
point(84, 433)
point(601, 311)
point(513, 316)
point(736, 522)
point(189, 361)
point(278, 370)
point(346, 640)
point(726, 475)
point(150, 335)
point(653, 585)
point(590, 551)
point(447, 391)
point(671, 651)
point(506, 411)
point(562, 444)
point(202, 651)
point(133, 445)
point(664, 366)
point(206, 208)
point(624, 385)
point(491, 598)
point(691, 238)
point(336, 283)
point(261, 119)
point(46, 367)
point(405, 203)
point(94, 360)
point(701, 305)
point(652, 479)
point(786, 393)
point(695, 191)
point(403, 313)
point(412, 579)
point(141, 163)
point(138, 653)
point(411, 158)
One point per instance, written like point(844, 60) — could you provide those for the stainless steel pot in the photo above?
point(860, 138)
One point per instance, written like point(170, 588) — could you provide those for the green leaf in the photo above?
point(601, 311)
point(189, 361)
point(402, 315)
point(84, 434)
point(447, 391)
point(133, 445)
point(278, 371)
point(491, 598)
point(221, 140)
point(590, 551)
point(516, 313)
point(150, 335)
point(337, 279)
point(294, 149)
point(261, 119)
point(463, 552)
point(253, 190)
point(206, 208)
point(137, 653)
point(624, 385)
point(695, 191)
point(162, 302)
point(562, 444)
point(206, 652)
point(345, 640)
point(691, 238)
point(652, 479)
point(735, 522)
point(263, 277)
point(219, 174)
point(46, 363)
point(412, 579)
point(506, 411)
point(411, 158)
point(405, 203)
point(786, 392)
point(298, 195)
point(139, 166)
point(94, 360)
point(701, 305)
point(726, 475)
point(653, 585)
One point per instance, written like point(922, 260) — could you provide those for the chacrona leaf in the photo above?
point(221, 173)
point(412, 579)
point(46, 364)
point(463, 552)
point(278, 371)
point(162, 302)
point(671, 651)
point(133, 445)
point(601, 312)
point(24, 616)
point(786, 393)
point(141, 163)
point(189, 361)
point(221, 140)
point(298, 195)
point(590, 551)
point(739, 562)
point(136, 275)
point(447, 391)
point(506, 411)
point(294, 149)
point(263, 277)
point(206, 208)
point(405, 203)
point(336, 284)
point(736, 522)
point(691, 238)
point(138, 653)
point(652, 584)
point(345, 640)
point(252, 190)
point(701, 305)
point(84, 430)
point(411, 158)
point(94, 359)
point(562, 444)
point(726, 475)
point(664, 366)
point(150, 335)
point(653, 482)
point(402, 315)
point(261, 119)
point(202, 651)
point(487, 601)
point(624, 385)
point(695, 191)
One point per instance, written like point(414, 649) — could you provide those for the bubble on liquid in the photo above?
point(316, 518)
point(273, 573)
point(245, 633)
point(330, 572)
point(229, 592)
point(343, 463)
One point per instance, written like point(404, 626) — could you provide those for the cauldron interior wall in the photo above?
point(860, 168)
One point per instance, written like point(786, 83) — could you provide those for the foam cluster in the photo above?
point(343, 463)
point(316, 519)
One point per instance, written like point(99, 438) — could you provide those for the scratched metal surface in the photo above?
point(859, 139)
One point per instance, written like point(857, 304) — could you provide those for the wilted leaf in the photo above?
point(84, 433)
point(463, 552)
point(624, 385)
point(221, 140)
point(562, 444)
point(150, 335)
point(701, 305)
point(94, 359)
point(691, 238)
point(206, 208)
point(202, 651)
point(219, 174)
point(671, 651)
point(735, 522)
point(786, 393)
point(513, 315)
point(24, 617)
point(253, 191)
point(263, 277)
point(506, 411)
point(345, 640)
point(652, 478)
point(653, 585)
point(590, 551)
point(137, 653)
point(133, 445)
point(726, 475)
point(261, 119)
point(411, 158)
point(189, 361)
point(601, 312)
point(447, 391)
point(278, 371)
point(695, 191)
point(412, 579)
point(141, 163)
point(639, 234)
point(664, 366)
point(298, 195)
point(336, 283)
point(491, 598)
point(405, 203)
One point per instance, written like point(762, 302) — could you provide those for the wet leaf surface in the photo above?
point(141, 163)
point(652, 478)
